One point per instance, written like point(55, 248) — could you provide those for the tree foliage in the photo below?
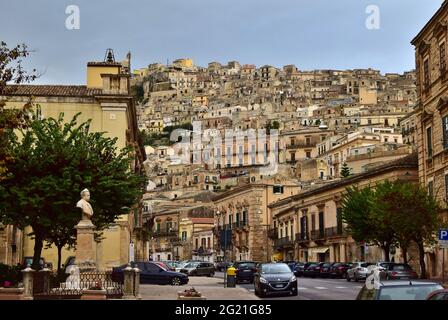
point(11, 71)
point(345, 170)
point(392, 213)
point(53, 161)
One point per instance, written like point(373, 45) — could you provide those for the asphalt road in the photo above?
point(316, 289)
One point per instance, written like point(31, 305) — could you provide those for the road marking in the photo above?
point(359, 287)
point(251, 290)
point(301, 288)
point(321, 288)
point(341, 287)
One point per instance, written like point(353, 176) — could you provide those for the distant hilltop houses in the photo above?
point(333, 128)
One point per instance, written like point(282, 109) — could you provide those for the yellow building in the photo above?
point(184, 62)
point(107, 101)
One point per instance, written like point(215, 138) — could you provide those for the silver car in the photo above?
point(359, 271)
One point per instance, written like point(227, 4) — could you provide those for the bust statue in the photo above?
point(87, 211)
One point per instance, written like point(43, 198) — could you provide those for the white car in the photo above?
point(360, 271)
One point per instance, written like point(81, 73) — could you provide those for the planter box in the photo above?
point(93, 295)
point(11, 293)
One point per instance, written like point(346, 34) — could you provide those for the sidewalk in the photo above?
point(211, 288)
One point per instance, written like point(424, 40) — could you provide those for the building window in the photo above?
point(278, 189)
point(245, 218)
point(430, 188)
point(426, 73)
point(445, 131)
point(429, 141)
point(184, 235)
point(308, 154)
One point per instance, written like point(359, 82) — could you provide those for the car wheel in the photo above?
point(355, 278)
point(294, 293)
point(175, 281)
point(347, 277)
point(211, 274)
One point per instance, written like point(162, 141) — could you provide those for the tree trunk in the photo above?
point(38, 245)
point(404, 252)
point(59, 257)
point(386, 249)
point(421, 253)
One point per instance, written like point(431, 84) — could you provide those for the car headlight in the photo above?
point(263, 280)
point(293, 279)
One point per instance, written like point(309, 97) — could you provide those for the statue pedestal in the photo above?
point(85, 246)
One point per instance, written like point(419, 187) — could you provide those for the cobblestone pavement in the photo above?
point(211, 288)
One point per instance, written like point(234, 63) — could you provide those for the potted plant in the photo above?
point(190, 294)
point(95, 292)
point(10, 286)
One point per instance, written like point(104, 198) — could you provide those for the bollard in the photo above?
point(137, 283)
point(28, 277)
point(128, 280)
point(45, 279)
point(231, 277)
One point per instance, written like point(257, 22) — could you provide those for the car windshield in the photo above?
point(275, 268)
point(401, 267)
point(366, 264)
point(191, 265)
point(246, 265)
point(419, 292)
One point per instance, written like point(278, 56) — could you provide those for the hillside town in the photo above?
point(228, 163)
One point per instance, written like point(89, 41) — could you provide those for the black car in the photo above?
point(324, 270)
point(245, 270)
point(339, 269)
point(300, 267)
point(152, 273)
point(312, 270)
point(274, 278)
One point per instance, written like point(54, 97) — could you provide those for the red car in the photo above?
point(165, 265)
point(339, 269)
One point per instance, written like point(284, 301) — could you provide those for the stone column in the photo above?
point(332, 255)
point(45, 279)
point(342, 252)
point(28, 283)
point(128, 280)
point(85, 246)
point(137, 283)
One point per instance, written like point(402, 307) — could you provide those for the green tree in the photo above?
point(364, 223)
point(345, 170)
point(11, 72)
point(272, 125)
point(53, 162)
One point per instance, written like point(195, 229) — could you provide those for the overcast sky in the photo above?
point(312, 34)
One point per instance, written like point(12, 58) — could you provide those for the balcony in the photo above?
point(334, 232)
point(165, 232)
point(202, 251)
point(302, 237)
point(301, 145)
point(317, 235)
point(239, 225)
point(284, 242)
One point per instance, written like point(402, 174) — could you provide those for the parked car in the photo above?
point(399, 290)
point(359, 271)
point(222, 265)
point(274, 278)
point(339, 269)
point(396, 271)
point(151, 273)
point(180, 265)
point(291, 264)
point(310, 270)
point(300, 267)
point(245, 271)
point(438, 295)
point(324, 270)
point(199, 269)
point(170, 265)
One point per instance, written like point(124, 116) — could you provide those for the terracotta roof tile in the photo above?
point(51, 90)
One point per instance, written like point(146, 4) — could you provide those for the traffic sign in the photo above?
point(443, 234)
point(443, 244)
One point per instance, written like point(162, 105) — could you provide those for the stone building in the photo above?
point(308, 226)
point(107, 101)
point(432, 127)
point(243, 219)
